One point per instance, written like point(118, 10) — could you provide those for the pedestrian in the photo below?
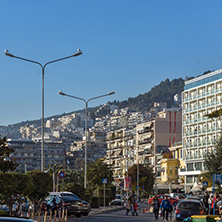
point(166, 206)
point(156, 207)
point(132, 201)
point(205, 201)
point(135, 208)
point(216, 205)
point(127, 206)
point(211, 204)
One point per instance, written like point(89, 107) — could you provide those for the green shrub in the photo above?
point(101, 201)
point(3, 213)
point(95, 202)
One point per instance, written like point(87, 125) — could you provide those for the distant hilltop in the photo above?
point(164, 92)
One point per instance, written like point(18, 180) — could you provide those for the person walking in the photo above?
point(166, 206)
point(156, 207)
point(132, 201)
point(205, 202)
point(127, 206)
point(210, 201)
point(135, 208)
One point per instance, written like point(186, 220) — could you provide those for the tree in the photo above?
point(145, 177)
point(215, 114)
point(14, 186)
point(5, 163)
point(213, 158)
point(73, 182)
point(98, 170)
point(41, 185)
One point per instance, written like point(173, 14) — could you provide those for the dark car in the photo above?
point(186, 208)
point(14, 219)
point(86, 205)
point(72, 204)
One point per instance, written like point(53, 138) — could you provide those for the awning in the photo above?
point(196, 188)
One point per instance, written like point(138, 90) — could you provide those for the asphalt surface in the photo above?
point(118, 214)
point(114, 216)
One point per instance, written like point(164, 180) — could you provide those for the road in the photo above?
point(117, 216)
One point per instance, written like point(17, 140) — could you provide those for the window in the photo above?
point(181, 153)
point(171, 170)
point(189, 179)
point(198, 166)
point(190, 166)
point(176, 171)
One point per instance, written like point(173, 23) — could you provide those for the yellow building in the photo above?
point(170, 170)
point(172, 165)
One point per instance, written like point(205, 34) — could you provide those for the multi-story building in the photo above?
point(201, 96)
point(9, 132)
point(120, 151)
point(96, 148)
point(28, 153)
point(156, 135)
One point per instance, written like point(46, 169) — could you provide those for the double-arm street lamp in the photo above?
point(43, 72)
point(86, 119)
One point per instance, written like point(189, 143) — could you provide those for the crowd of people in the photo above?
point(212, 203)
point(131, 205)
point(165, 206)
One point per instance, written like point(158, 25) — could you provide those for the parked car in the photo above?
point(72, 204)
point(116, 202)
point(14, 219)
point(86, 205)
point(173, 201)
point(186, 208)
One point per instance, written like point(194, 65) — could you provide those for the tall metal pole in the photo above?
point(86, 134)
point(86, 120)
point(43, 73)
point(137, 144)
point(42, 144)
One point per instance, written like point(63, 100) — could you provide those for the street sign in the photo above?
point(104, 180)
point(121, 184)
point(137, 187)
point(218, 178)
point(61, 174)
point(205, 183)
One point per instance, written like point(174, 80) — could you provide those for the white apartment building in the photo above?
point(201, 96)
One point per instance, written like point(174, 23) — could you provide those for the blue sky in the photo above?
point(128, 47)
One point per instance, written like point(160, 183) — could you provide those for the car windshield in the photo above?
point(190, 206)
point(70, 195)
point(69, 198)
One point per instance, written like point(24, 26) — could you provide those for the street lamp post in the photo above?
point(86, 120)
point(43, 73)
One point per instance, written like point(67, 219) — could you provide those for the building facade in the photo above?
point(27, 153)
point(201, 96)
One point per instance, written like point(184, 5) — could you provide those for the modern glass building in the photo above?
point(201, 95)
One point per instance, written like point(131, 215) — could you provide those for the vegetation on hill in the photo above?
point(164, 92)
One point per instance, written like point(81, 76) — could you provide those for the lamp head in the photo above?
point(111, 93)
point(61, 93)
point(78, 53)
point(8, 54)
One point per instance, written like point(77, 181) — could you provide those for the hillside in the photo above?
point(164, 92)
